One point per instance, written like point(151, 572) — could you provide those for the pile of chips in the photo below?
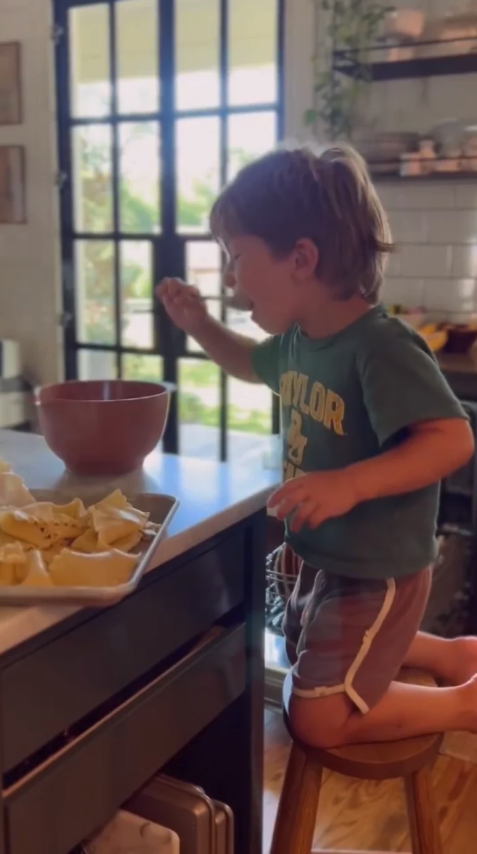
point(67, 545)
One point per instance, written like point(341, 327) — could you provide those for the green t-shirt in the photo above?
point(347, 398)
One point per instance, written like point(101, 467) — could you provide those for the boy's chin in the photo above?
point(271, 327)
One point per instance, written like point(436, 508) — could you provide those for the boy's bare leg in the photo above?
point(405, 711)
point(455, 661)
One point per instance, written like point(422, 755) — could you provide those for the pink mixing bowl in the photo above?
point(103, 427)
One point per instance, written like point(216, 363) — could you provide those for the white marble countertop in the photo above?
point(213, 496)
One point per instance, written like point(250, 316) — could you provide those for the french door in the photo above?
point(160, 102)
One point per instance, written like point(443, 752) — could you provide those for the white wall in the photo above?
point(435, 226)
point(29, 254)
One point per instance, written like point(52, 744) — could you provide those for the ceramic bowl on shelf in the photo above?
point(103, 427)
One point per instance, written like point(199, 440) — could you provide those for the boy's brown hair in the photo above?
point(329, 198)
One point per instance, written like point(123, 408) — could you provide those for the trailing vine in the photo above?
point(354, 26)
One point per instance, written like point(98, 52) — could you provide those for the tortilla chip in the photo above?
point(76, 569)
point(37, 574)
point(13, 492)
point(13, 564)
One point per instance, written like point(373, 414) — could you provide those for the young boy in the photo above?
point(370, 428)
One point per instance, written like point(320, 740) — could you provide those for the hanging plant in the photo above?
point(355, 25)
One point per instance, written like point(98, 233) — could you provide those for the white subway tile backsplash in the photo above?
point(407, 292)
point(457, 95)
point(454, 227)
point(390, 195)
point(393, 265)
point(423, 197)
point(424, 261)
point(408, 226)
point(464, 261)
point(449, 295)
point(466, 195)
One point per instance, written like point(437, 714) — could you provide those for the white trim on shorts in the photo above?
point(347, 686)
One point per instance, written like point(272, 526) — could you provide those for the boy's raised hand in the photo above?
point(184, 304)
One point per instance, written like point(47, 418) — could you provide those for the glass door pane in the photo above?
point(90, 62)
point(199, 409)
point(249, 135)
point(253, 31)
point(137, 49)
point(249, 420)
point(139, 177)
point(95, 304)
point(197, 53)
point(97, 365)
point(92, 178)
point(203, 269)
point(143, 368)
point(198, 172)
point(137, 290)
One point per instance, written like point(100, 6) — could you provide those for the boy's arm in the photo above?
point(240, 356)
point(231, 351)
point(237, 355)
point(432, 450)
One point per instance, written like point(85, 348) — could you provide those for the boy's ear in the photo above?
point(306, 256)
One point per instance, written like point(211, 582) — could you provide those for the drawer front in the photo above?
point(79, 790)
point(45, 693)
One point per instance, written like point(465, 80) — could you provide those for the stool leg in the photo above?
point(296, 817)
point(422, 813)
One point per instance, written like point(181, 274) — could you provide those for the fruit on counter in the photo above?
point(435, 340)
point(428, 329)
point(460, 337)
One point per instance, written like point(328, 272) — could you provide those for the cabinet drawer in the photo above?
point(77, 790)
point(45, 693)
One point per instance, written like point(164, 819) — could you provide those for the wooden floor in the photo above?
point(371, 816)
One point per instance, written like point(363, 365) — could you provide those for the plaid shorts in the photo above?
point(349, 635)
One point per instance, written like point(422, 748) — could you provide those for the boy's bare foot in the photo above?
point(463, 658)
point(452, 662)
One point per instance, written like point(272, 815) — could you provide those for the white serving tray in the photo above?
point(161, 509)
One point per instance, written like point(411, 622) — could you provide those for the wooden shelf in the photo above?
point(380, 177)
point(402, 69)
point(373, 61)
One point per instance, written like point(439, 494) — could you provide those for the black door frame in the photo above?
point(168, 246)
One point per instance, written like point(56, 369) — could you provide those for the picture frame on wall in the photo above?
point(10, 84)
point(12, 185)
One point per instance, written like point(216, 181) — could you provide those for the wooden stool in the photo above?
point(410, 759)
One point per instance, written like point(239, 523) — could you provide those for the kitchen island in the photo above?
point(94, 702)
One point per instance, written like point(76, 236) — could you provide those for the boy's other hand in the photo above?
point(313, 498)
point(184, 304)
